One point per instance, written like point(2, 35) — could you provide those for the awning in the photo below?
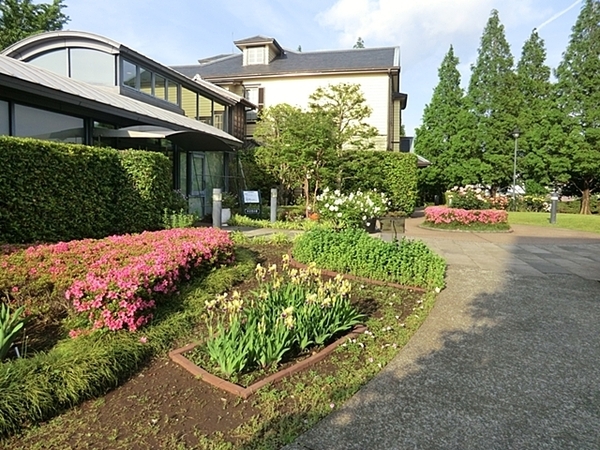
point(188, 140)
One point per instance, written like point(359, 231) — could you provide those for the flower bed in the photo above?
point(291, 311)
point(454, 218)
point(112, 283)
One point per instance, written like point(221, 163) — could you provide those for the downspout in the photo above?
point(390, 130)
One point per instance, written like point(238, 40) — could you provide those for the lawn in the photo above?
point(577, 222)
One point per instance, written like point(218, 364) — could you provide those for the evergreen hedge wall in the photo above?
point(58, 192)
point(390, 172)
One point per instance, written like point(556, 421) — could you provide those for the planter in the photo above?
point(178, 357)
point(370, 225)
point(392, 224)
point(225, 215)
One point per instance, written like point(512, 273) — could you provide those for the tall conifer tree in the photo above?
point(543, 163)
point(493, 99)
point(578, 94)
point(441, 136)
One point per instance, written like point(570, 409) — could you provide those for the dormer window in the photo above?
point(255, 55)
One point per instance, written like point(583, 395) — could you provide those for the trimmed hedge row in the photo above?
point(393, 173)
point(52, 191)
point(354, 251)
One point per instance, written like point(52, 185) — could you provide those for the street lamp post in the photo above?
point(516, 133)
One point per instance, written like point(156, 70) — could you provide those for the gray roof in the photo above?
point(331, 61)
point(29, 78)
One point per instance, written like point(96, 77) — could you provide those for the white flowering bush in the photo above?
point(355, 210)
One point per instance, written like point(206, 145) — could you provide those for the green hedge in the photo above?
point(390, 172)
point(57, 192)
point(354, 251)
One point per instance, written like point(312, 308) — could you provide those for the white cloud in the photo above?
point(420, 28)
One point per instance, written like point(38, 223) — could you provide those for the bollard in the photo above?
point(217, 198)
point(553, 206)
point(273, 205)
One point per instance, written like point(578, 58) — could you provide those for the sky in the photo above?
point(182, 31)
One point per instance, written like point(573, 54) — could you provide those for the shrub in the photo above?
point(79, 191)
point(354, 210)
point(112, 283)
point(10, 325)
point(178, 219)
point(355, 252)
point(36, 388)
point(393, 173)
point(473, 197)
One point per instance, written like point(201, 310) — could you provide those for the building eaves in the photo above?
point(17, 74)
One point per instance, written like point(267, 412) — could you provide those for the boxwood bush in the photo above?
point(53, 191)
point(354, 251)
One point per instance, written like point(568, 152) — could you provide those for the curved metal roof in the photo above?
point(25, 77)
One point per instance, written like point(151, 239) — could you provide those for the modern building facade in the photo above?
point(83, 88)
point(266, 74)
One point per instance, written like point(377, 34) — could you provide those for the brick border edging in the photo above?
point(235, 389)
point(348, 276)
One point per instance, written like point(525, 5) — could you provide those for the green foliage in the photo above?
point(354, 251)
point(10, 325)
point(541, 141)
point(493, 99)
point(291, 310)
point(178, 219)
point(79, 191)
point(36, 388)
point(355, 210)
point(443, 137)
point(578, 96)
point(345, 105)
point(295, 147)
point(22, 18)
point(393, 173)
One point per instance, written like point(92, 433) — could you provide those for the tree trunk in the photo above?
point(306, 189)
point(585, 201)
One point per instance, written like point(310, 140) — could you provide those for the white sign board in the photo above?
point(251, 197)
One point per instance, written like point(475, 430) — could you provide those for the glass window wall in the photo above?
point(4, 122)
point(55, 61)
point(93, 67)
point(40, 124)
point(129, 75)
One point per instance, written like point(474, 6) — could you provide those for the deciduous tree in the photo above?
point(22, 18)
point(295, 147)
point(578, 94)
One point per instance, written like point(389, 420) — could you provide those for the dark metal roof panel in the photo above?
point(299, 62)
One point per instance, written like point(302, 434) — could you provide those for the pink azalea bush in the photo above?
point(113, 282)
point(438, 215)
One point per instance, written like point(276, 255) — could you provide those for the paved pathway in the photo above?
point(507, 359)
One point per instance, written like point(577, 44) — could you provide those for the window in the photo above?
point(55, 61)
point(41, 124)
point(160, 90)
point(129, 75)
point(172, 89)
point(4, 123)
point(93, 67)
point(146, 81)
point(255, 55)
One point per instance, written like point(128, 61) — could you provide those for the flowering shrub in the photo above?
point(437, 215)
point(473, 197)
point(292, 309)
point(352, 210)
point(113, 282)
